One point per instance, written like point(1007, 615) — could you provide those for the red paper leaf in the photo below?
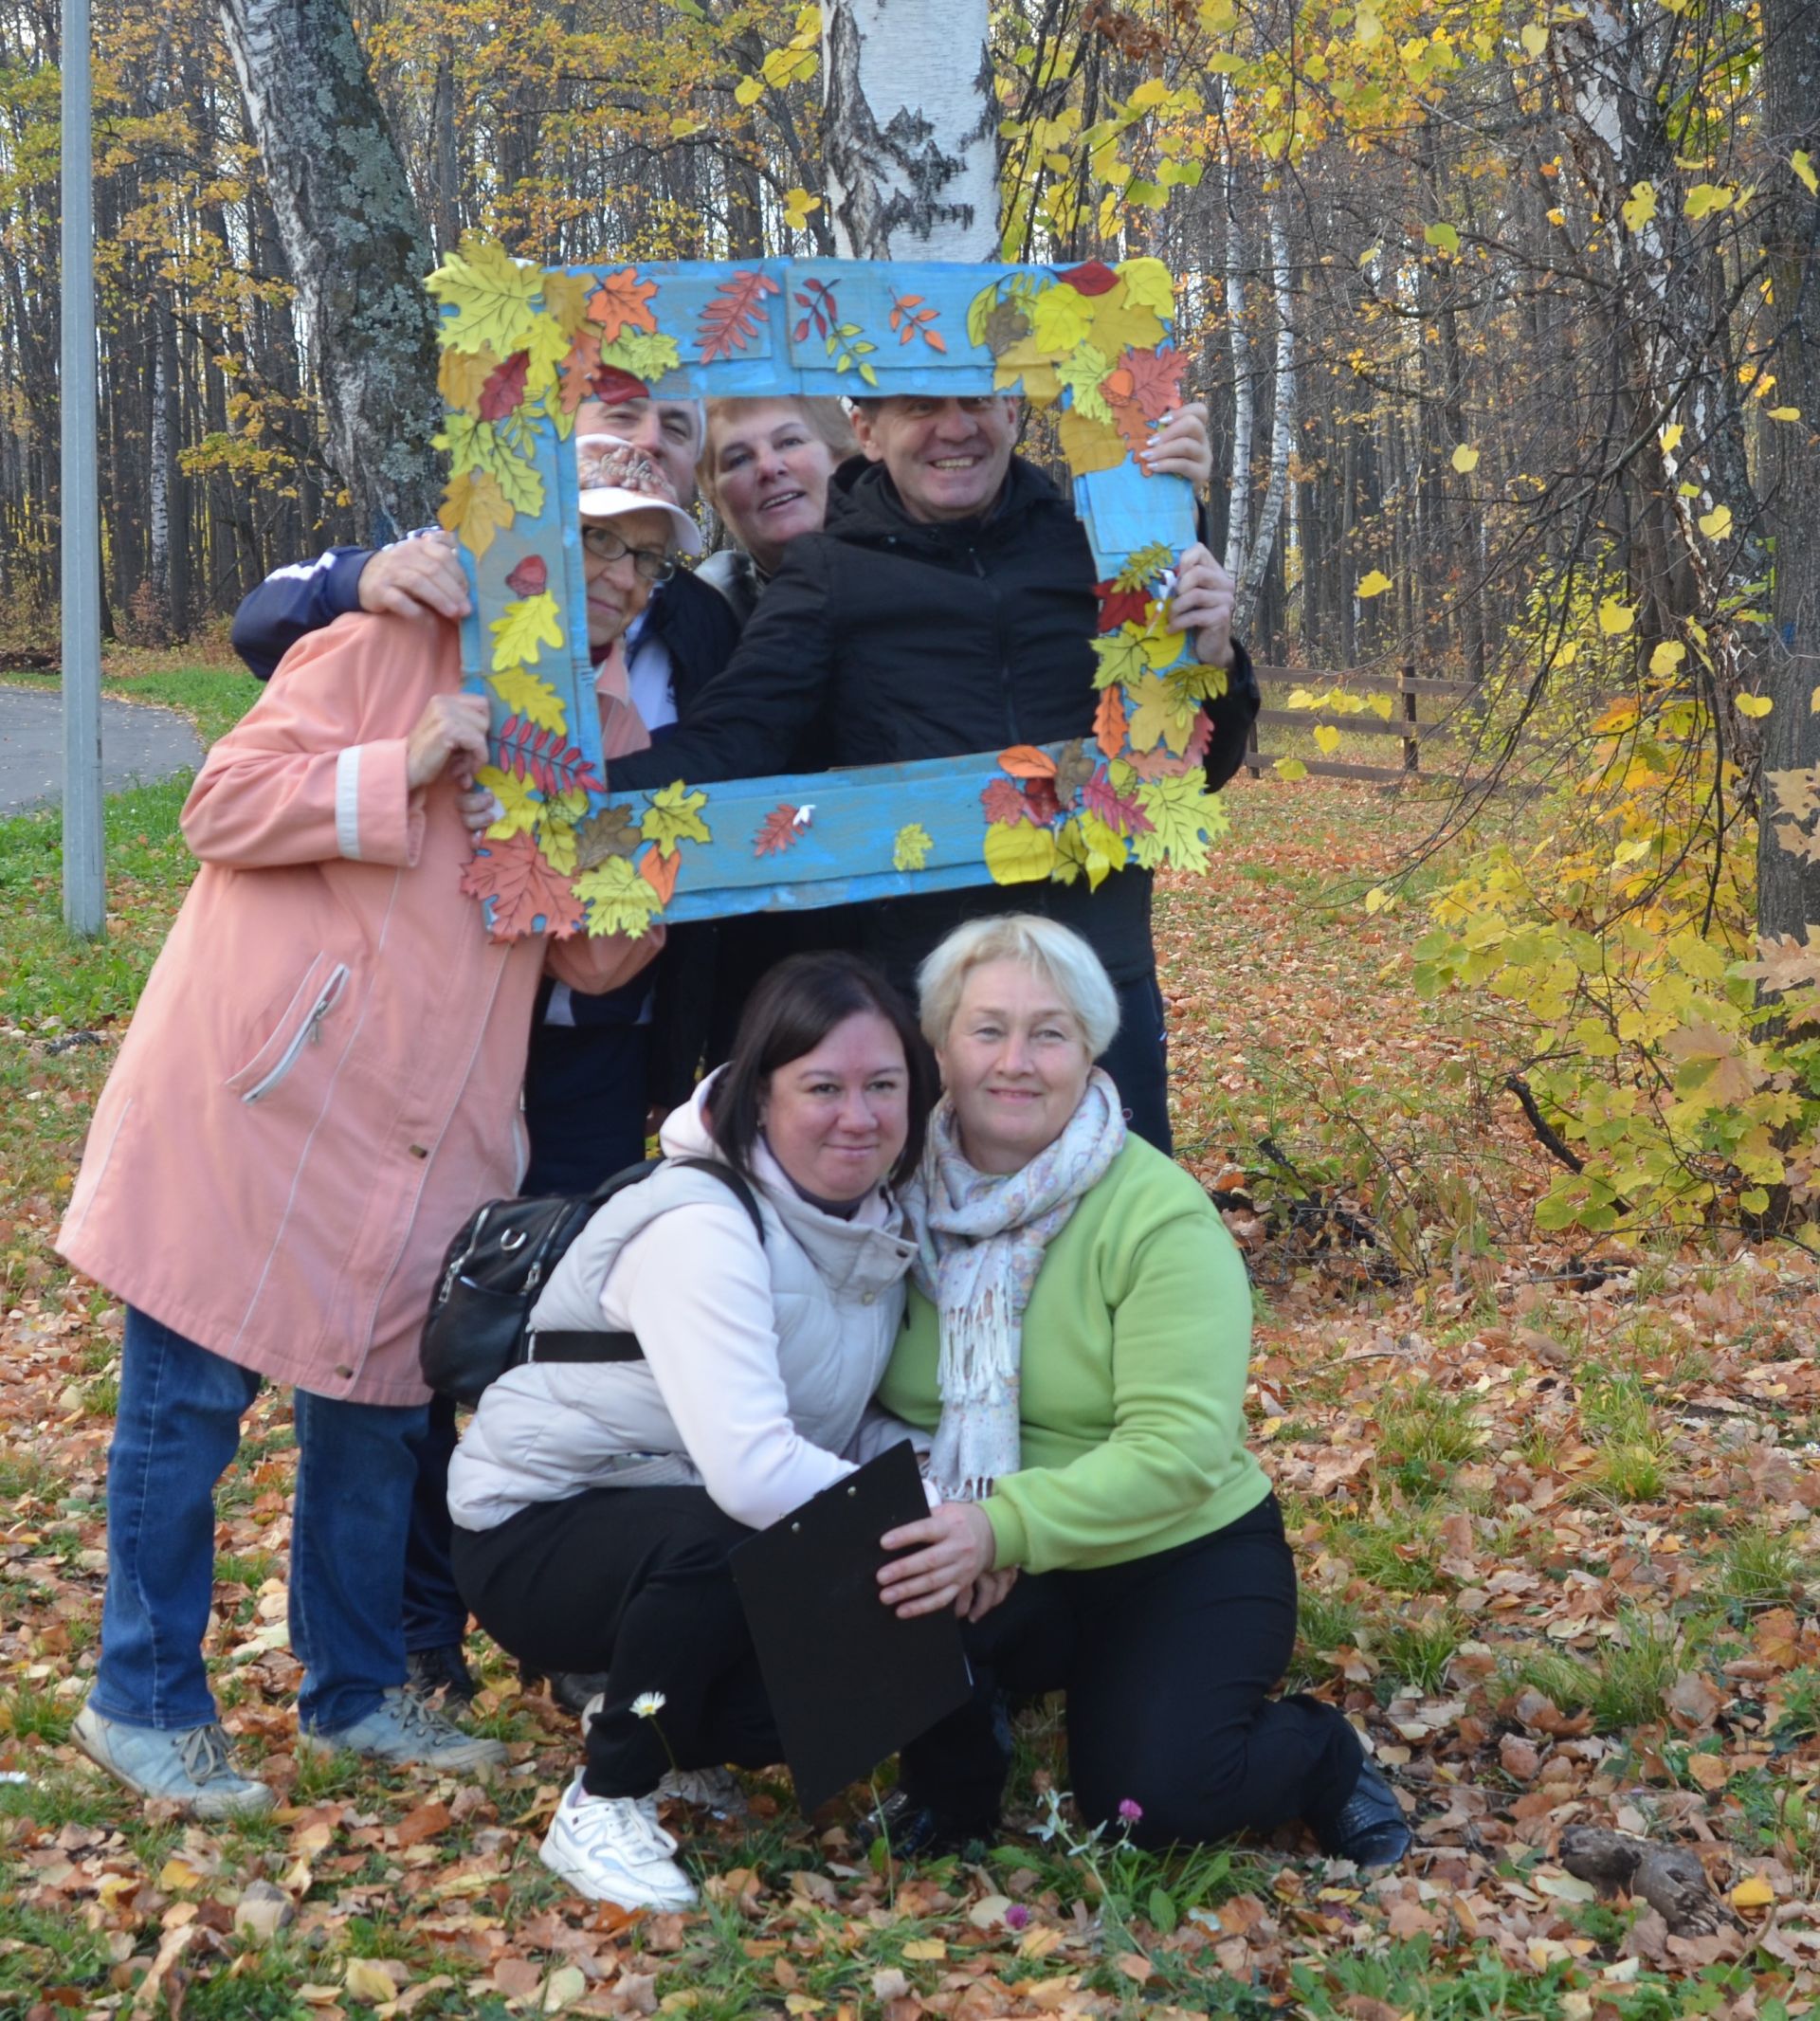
point(609, 383)
point(523, 887)
point(1024, 761)
point(505, 387)
point(731, 320)
point(1119, 605)
point(1039, 796)
point(1098, 796)
point(1004, 803)
point(1110, 723)
point(541, 756)
point(1151, 380)
point(530, 578)
point(1095, 278)
point(776, 833)
point(659, 872)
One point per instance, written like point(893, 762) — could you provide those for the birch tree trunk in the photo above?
point(910, 129)
point(1788, 887)
point(1245, 392)
point(355, 247)
point(1283, 428)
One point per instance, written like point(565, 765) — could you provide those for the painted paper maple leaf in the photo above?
point(622, 301)
point(1148, 380)
point(526, 895)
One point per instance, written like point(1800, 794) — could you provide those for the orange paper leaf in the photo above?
point(1024, 761)
point(1110, 723)
point(622, 301)
point(660, 872)
point(517, 877)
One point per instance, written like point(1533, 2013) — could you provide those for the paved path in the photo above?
point(139, 744)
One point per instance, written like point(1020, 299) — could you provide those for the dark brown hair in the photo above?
point(790, 1013)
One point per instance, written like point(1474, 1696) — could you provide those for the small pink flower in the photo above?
point(1130, 1811)
point(1016, 1916)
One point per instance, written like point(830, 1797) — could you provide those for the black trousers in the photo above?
point(1137, 1060)
point(632, 1581)
point(1166, 1661)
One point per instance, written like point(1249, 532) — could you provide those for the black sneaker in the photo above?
point(444, 1670)
point(913, 1831)
point(572, 1689)
point(1371, 1830)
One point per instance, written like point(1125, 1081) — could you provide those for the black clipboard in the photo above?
point(849, 1682)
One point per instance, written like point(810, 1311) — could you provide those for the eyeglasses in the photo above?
point(606, 545)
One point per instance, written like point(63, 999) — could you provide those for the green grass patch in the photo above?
point(1423, 1434)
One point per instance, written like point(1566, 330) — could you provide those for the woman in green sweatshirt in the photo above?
point(1077, 1345)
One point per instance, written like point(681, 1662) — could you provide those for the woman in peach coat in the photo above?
point(320, 1084)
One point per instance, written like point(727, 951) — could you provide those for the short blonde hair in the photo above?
point(1057, 953)
point(823, 415)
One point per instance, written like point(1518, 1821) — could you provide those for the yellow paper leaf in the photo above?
point(474, 509)
point(523, 628)
point(1717, 523)
point(1060, 318)
point(492, 294)
point(1019, 854)
point(1119, 325)
point(1754, 1892)
point(1466, 461)
point(1090, 445)
point(461, 375)
point(528, 695)
point(910, 851)
point(1755, 705)
point(522, 809)
point(1615, 619)
point(1667, 657)
point(565, 297)
point(1148, 285)
point(1326, 738)
point(1372, 585)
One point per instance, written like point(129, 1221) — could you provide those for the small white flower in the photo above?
point(647, 1705)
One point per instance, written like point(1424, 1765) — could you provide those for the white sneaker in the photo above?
point(613, 1848)
point(716, 1791)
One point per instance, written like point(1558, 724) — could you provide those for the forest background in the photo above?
point(1505, 317)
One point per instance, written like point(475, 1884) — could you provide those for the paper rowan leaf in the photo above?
point(1372, 585)
point(619, 900)
point(776, 833)
point(529, 695)
point(1020, 855)
point(622, 301)
point(491, 294)
point(521, 631)
point(910, 847)
point(474, 509)
point(735, 316)
point(541, 756)
point(673, 816)
point(523, 889)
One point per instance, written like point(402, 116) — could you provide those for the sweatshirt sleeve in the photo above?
point(293, 601)
point(1232, 717)
point(752, 715)
point(306, 776)
point(1181, 1341)
point(695, 1287)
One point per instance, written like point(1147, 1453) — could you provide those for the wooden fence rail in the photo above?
point(1409, 687)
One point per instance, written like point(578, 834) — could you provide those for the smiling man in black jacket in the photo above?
point(947, 609)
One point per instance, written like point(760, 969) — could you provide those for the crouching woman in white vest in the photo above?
point(595, 1503)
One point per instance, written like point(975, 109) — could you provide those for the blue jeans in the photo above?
point(177, 1428)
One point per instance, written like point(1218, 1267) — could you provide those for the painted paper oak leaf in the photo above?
point(491, 294)
point(735, 316)
point(530, 695)
point(521, 631)
point(1003, 327)
point(614, 831)
point(474, 509)
point(527, 894)
point(777, 831)
point(619, 900)
point(1073, 769)
point(673, 816)
point(622, 301)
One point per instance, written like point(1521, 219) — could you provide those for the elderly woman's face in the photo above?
point(1015, 1064)
point(836, 1118)
point(770, 472)
point(616, 591)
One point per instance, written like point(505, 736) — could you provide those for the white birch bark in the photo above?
point(1245, 390)
point(910, 129)
point(356, 246)
point(1283, 430)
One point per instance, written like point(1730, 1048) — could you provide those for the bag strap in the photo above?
point(603, 1346)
